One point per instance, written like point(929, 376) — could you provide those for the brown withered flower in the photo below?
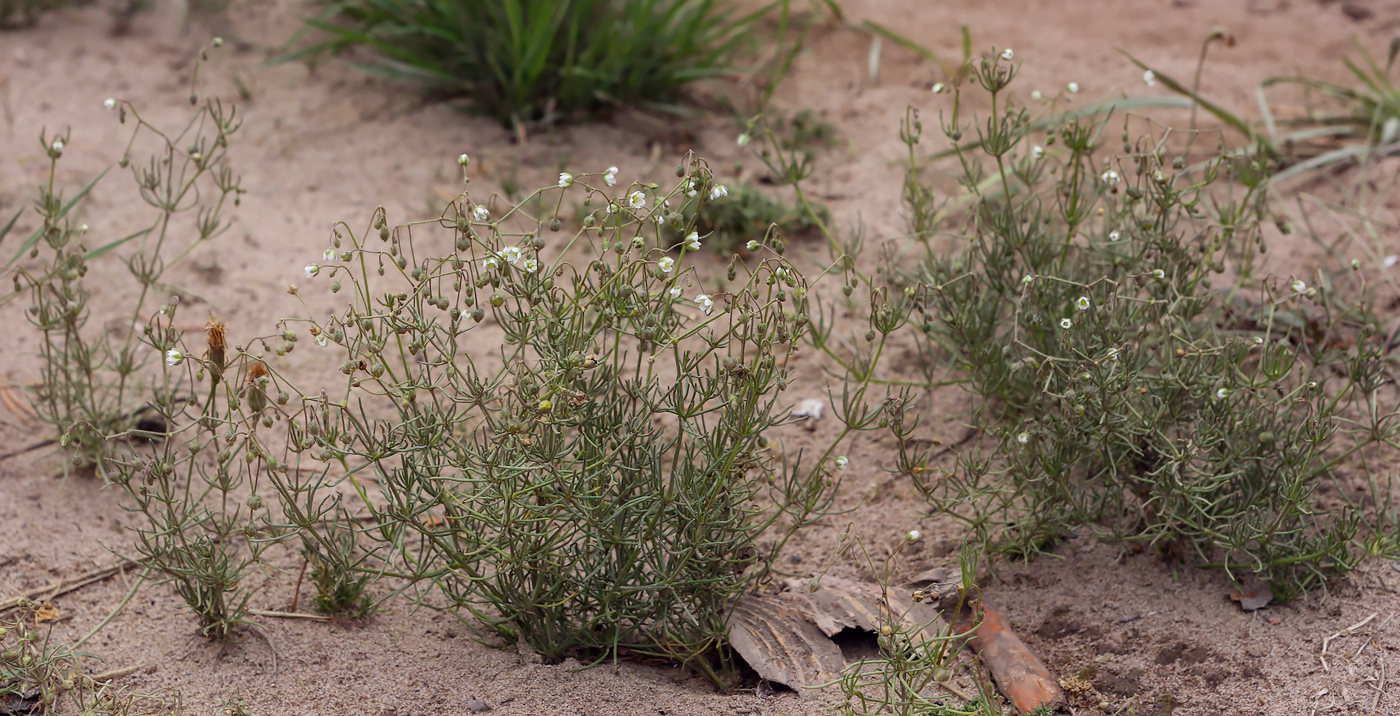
point(218, 347)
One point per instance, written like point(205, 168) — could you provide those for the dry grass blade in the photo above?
point(17, 405)
point(64, 586)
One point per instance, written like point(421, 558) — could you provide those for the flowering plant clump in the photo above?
point(1134, 387)
point(616, 443)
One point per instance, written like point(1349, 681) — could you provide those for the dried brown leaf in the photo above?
point(782, 644)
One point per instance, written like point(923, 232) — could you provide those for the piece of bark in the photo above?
point(848, 604)
point(782, 644)
point(1017, 672)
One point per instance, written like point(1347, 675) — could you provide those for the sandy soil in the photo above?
point(329, 145)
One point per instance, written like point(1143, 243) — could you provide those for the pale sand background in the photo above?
point(330, 145)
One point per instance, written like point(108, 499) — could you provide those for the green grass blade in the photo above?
point(113, 245)
point(1224, 115)
point(82, 193)
point(62, 212)
point(5, 230)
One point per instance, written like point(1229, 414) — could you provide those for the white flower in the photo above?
point(83, 229)
point(328, 255)
point(312, 270)
point(705, 303)
point(530, 265)
point(1082, 304)
point(1258, 341)
point(1066, 324)
point(1299, 286)
point(481, 213)
point(1037, 152)
point(676, 292)
point(752, 245)
point(938, 88)
point(1007, 54)
point(744, 139)
point(666, 264)
point(512, 254)
point(489, 263)
point(1159, 273)
point(1221, 394)
point(692, 242)
point(1027, 280)
point(691, 190)
point(610, 176)
point(174, 357)
point(1113, 354)
point(1035, 96)
point(612, 208)
point(637, 200)
point(464, 159)
point(1149, 78)
point(1073, 87)
point(1390, 260)
point(110, 103)
point(1023, 438)
point(1113, 235)
point(566, 180)
point(841, 462)
point(1111, 177)
point(719, 191)
point(914, 535)
point(321, 340)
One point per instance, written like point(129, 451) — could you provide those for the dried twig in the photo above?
point(290, 615)
point(1345, 632)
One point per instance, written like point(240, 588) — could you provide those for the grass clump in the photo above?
point(524, 61)
point(1140, 379)
point(339, 568)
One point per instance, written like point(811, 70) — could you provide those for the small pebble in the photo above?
point(478, 706)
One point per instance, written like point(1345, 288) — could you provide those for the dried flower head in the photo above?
point(218, 346)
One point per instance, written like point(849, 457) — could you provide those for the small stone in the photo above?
point(478, 706)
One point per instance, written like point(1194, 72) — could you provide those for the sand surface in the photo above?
point(331, 144)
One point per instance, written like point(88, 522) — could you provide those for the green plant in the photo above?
point(145, 429)
point(595, 489)
point(541, 60)
point(339, 568)
point(39, 676)
point(1128, 392)
point(913, 661)
point(745, 220)
point(93, 390)
point(1340, 124)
